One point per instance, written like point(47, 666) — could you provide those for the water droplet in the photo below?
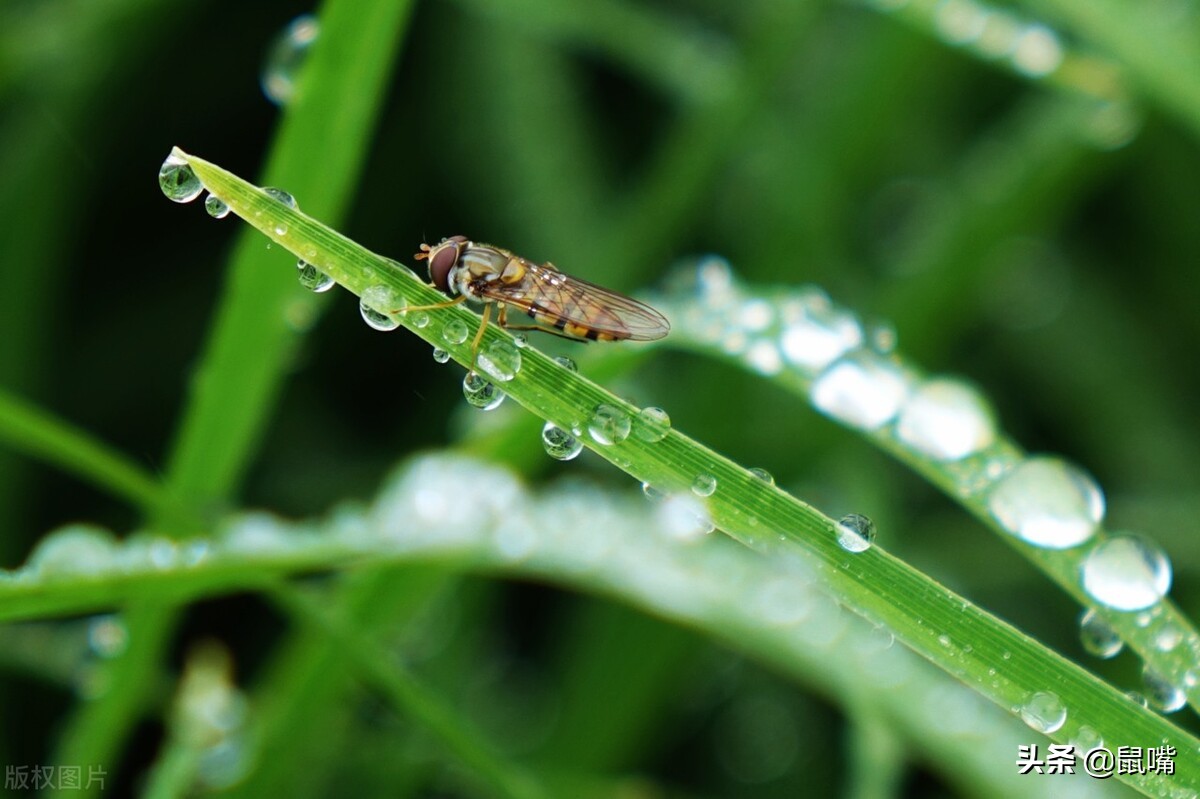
point(481, 393)
point(1168, 637)
point(817, 334)
point(282, 196)
point(704, 485)
point(763, 357)
point(1097, 635)
point(521, 340)
point(419, 319)
point(178, 181)
point(1037, 51)
point(945, 420)
point(455, 331)
point(1086, 739)
point(863, 390)
point(566, 363)
point(959, 21)
point(651, 425)
point(281, 229)
point(684, 517)
point(374, 305)
point(107, 635)
point(651, 492)
point(559, 443)
point(1161, 693)
point(440, 355)
point(1044, 712)
point(313, 279)
point(285, 57)
point(764, 475)
point(855, 532)
point(1048, 502)
point(73, 551)
point(1127, 573)
point(216, 207)
point(609, 425)
point(501, 360)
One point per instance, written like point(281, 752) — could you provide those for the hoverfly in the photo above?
point(559, 304)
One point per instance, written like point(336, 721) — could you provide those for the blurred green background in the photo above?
point(1036, 234)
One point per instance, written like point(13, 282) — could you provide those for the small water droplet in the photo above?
point(281, 229)
point(521, 340)
point(178, 181)
point(440, 355)
point(455, 331)
point(764, 475)
point(216, 207)
point(373, 306)
point(107, 635)
point(704, 485)
point(419, 319)
point(945, 420)
point(1037, 51)
point(1085, 740)
point(481, 393)
point(817, 334)
point(313, 279)
point(651, 492)
point(609, 425)
point(651, 425)
point(501, 360)
point(1044, 712)
point(566, 363)
point(284, 58)
point(282, 196)
point(1168, 637)
point(559, 443)
point(1048, 502)
point(863, 390)
point(1161, 693)
point(1097, 635)
point(1127, 572)
point(855, 532)
point(73, 551)
point(684, 517)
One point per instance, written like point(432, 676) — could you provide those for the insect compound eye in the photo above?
point(442, 260)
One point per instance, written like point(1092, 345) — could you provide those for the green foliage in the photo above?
point(987, 195)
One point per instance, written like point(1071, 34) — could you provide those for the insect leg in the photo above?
point(436, 305)
point(487, 314)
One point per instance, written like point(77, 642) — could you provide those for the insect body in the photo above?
point(560, 304)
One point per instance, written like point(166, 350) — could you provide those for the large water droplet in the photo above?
point(216, 207)
point(1127, 573)
point(862, 390)
point(455, 331)
point(285, 57)
point(704, 485)
point(651, 425)
point(1161, 693)
point(817, 334)
point(559, 443)
point(313, 279)
point(178, 181)
point(481, 393)
point(609, 425)
point(1097, 635)
point(374, 305)
point(1044, 712)
point(1048, 503)
point(282, 196)
point(855, 532)
point(73, 551)
point(501, 360)
point(945, 420)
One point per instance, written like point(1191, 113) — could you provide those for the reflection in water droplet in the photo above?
point(374, 304)
point(216, 207)
point(177, 180)
point(501, 360)
point(1097, 635)
point(1163, 695)
point(704, 485)
point(285, 57)
point(455, 331)
point(855, 532)
point(609, 425)
point(651, 425)
point(440, 355)
point(1048, 502)
point(559, 443)
point(863, 390)
point(1044, 712)
point(313, 279)
point(1127, 573)
point(282, 196)
point(945, 420)
point(480, 393)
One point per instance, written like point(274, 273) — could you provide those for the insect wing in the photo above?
point(559, 300)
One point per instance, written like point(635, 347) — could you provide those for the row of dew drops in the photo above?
point(1044, 501)
point(852, 375)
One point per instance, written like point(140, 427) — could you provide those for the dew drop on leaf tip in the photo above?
point(178, 180)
